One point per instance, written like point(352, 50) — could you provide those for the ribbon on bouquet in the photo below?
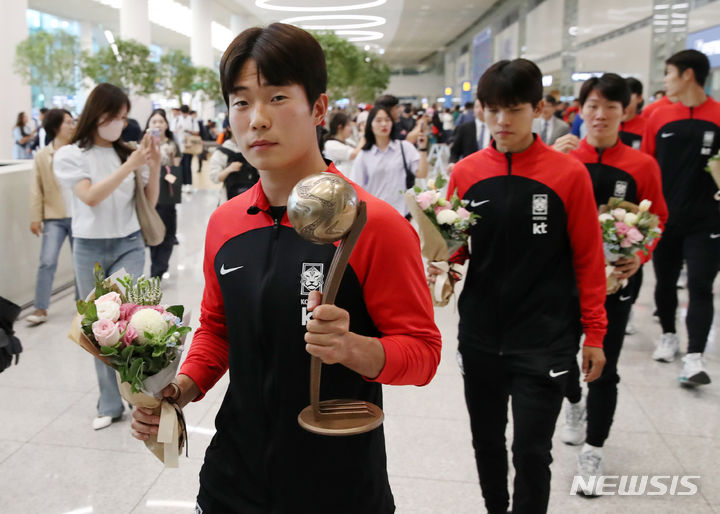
point(613, 284)
point(167, 444)
point(444, 282)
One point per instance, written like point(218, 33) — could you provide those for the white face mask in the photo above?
point(111, 131)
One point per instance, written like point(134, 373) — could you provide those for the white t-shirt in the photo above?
point(339, 153)
point(181, 125)
point(115, 216)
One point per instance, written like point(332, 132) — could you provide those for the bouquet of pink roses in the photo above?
point(627, 230)
point(123, 324)
point(443, 226)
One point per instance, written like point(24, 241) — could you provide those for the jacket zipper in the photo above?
point(508, 210)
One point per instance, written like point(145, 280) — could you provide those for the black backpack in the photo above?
point(9, 344)
point(241, 181)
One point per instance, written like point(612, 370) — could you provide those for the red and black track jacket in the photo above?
point(536, 277)
point(621, 172)
point(682, 139)
point(631, 132)
point(258, 274)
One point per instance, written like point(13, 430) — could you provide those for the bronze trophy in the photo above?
point(324, 208)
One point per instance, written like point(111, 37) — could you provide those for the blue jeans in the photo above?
point(112, 254)
point(54, 234)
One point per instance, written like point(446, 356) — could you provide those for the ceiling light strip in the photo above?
point(370, 21)
point(265, 4)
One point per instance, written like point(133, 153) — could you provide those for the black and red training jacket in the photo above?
point(536, 278)
point(621, 172)
point(682, 139)
point(258, 275)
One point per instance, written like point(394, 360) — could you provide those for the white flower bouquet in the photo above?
point(443, 226)
point(123, 324)
point(627, 230)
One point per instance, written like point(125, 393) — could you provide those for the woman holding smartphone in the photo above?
point(99, 168)
point(170, 193)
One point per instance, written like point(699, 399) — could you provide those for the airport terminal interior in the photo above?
point(60, 453)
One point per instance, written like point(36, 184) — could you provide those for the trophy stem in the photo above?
point(338, 417)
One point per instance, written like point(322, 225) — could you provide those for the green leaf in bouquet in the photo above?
point(158, 350)
point(176, 310)
point(81, 306)
point(89, 317)
point(102, 285)
point(109, 350)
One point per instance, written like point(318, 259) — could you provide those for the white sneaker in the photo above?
point(630, 328)
point(36, 319)
point(101, 422)
point(693, 373)
point(589, 465)
point(573, 430)
point(667, 348)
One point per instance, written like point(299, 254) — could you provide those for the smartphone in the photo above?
point(155, 133)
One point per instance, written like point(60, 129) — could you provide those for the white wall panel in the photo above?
point(598, 18)
point(428, 85)
point(506, 43)
point(704, 17)
point(627, 54)
point(550, 65)
point(543, 33)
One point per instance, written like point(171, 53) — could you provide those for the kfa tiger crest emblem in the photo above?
point(311, 277)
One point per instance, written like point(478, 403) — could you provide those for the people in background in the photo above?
point(547, 126)
point(170, 193)
point(230, 168)
point(469, 137)
point(50, 208)
point(385, 164)
point(185, 126)
point(101, 170)
point(23, 136)
point(336, 148)
point(682, 137)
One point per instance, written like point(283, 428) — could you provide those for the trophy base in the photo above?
point(341, 418)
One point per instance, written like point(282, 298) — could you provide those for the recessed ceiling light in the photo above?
point(265, 4)
point(370, 21)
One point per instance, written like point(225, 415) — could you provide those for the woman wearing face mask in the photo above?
point(384, 163)
point(170, 194)
point(100, 170)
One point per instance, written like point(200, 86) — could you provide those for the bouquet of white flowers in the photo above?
point(123, 324)
point(443, 226)
point(627, 229)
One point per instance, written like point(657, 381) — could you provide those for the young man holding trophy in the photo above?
point(261, 317)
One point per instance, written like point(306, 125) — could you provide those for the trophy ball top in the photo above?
point(322, 207)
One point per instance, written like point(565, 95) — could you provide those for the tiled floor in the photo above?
point(52, 462)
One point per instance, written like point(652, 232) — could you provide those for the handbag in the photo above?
point(151, 225)
point(409, 176)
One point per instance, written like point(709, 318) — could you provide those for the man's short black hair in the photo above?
point(508, 83)
point(693, 60)
point(551, 100)
point(184, 109)
point(43, 110)
point(388, 101)
point(284, 55)
point(469, 105)
point(610, 85)
point(635, 86)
